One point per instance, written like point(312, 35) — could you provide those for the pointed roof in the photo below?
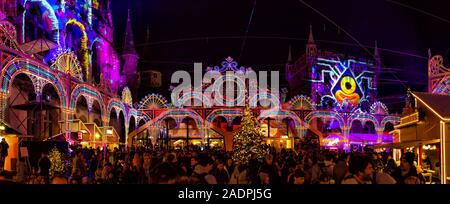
point(128, 47)
point(437, 103)
point(289, 55)
point(310, 38)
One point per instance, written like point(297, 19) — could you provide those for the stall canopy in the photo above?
point(401, 145)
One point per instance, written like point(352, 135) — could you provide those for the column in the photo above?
point(3, 104)
point(379, 135)
point(346, 132)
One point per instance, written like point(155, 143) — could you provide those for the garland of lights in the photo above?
point(20, 66)
point(153, 101)
point(302, 102)
point(88, 92)
point(84, 46)
point(52, 16)
point(126, 97)
point(379, 108)
point(67, 62)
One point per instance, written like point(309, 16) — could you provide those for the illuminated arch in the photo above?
point(18, 66)
point(326, 114)
point(179, 113)
point(282, 114)
point(269, 96)
point(193, 95)
point(392, 119)
point(52, 16)
point(84, 44)
point(302, 103)
point(379, 108)
point(363, 117)
point(87, 92)
point(67, 62)
point(126, 97)
point(118, 106)
point(153, 101)
point(222, 112)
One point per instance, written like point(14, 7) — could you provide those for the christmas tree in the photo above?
point(56, 162)
point(247, 141)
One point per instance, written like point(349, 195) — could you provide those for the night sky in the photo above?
point(183, 32)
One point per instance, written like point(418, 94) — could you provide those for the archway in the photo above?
point(81, 109)
point(189, 130)
point(95, 59)
point(76, 39)
point(168, 136)
point(131, 124)
point(388, 127)
point(236, 124)
point(221, 123)
point(121, 128)
point(356, 127)
point(39, 20)
point(52, 113)
point(18, 116)
point(369, 128)
point(117, 121)
point(96, 113)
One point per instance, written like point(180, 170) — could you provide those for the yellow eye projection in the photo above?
point(348, 85)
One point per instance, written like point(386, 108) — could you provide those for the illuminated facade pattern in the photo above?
point(341, 90)
point(438, 76)
point(82, 33)
point(67, 63)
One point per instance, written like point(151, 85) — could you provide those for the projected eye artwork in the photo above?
point(346, 87)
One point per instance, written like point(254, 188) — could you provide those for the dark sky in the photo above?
point(183, 32)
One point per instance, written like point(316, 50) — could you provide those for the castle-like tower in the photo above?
point(130, 60)
point(334, 80)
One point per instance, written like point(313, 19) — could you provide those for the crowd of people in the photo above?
point(140, 166)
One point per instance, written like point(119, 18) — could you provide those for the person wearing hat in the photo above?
point(407, 173)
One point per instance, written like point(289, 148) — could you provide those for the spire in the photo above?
point(311, 38)
point(289, 55)
point(311, 48)
point(129, 41)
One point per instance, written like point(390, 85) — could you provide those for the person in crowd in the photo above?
point(221, 173)
point(340, 170)
point(44, 167)
point(270, 169)
point(59, 179)
point(407, 173)
point(362, 171)
point(3, 153)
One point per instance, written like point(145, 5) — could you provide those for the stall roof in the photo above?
point(413, 143)
point(438, 103)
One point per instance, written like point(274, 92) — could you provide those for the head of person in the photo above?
point(147, 158)
point(407, 161)
point(299, 176)
point(229, 162)
point(220, 165)
point(269, 159)
point(58, 179)
point(362, 167)
point(171, 158)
